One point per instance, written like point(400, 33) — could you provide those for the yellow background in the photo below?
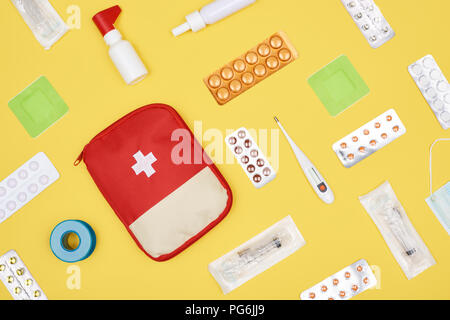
point(337, 235)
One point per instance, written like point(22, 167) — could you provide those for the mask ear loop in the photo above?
point(431, 162)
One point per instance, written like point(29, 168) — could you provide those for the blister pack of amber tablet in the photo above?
point(343, 285)
point(251, 68)
point(18, 279)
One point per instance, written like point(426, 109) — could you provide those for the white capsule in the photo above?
point(23, 174)
point(34, 165)
point(442, 86)
point(416, 69)
point(2, 191)
point(11, 205)
point(33, 188)
point(438, 105)
point(44, 179)
point(445, 116)
point(22, 197)
point(431, 93)
point(428, 62)
point(12, 183)
point(424, 82)
point(447, 98)
point(435, 74)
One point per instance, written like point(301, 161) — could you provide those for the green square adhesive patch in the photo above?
point(38, 107)
point(338, 85)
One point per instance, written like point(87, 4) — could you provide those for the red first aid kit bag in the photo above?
point(158, 180)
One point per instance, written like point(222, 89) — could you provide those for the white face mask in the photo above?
point(439, 201)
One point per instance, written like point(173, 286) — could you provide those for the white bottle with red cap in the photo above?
point(121, 51)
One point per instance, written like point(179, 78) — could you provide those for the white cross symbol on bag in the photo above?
point(144, 164)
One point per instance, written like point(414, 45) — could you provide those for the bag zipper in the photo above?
point(79, 159)
point(105, 131)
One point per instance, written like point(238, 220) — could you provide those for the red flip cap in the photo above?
point(105, 19)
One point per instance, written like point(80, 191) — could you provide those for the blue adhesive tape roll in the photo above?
point(60, 247)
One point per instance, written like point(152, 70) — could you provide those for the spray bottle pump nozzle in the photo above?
point(104, 20)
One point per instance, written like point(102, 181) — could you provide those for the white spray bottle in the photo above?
point(210, 14)
point(121, 51)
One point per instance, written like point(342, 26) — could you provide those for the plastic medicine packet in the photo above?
point(405, 243)
point(257, 255)
point(43, 20)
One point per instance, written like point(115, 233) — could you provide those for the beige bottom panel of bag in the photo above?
point(181, 215)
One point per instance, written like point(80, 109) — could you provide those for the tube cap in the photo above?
point(181, 29)
point(194, 22)
point(105, 19)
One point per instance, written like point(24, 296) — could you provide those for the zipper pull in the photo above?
point(79, 159)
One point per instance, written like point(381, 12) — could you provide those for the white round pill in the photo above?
point(2, 214)
point(11, 205)
point(428, 62)
point(33, 188)
point(12, 183)
point(445, 116)
point(23, 174)
point(43, 179)
point(416, 69)
point(2, 191)
point(435, 74)
point(22, 197)
point(442, 86)
point(447, 98)
point(438, 105)
point(34, 165)
point(424, 82)
point(431, 93)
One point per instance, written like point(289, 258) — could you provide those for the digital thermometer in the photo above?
point(315, 179)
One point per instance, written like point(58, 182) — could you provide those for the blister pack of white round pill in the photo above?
point(343, 285)
point(18, 279)
point(369, 138)
point(370, 21)
point(25, 183)
point(434, 87)
point(250, 157)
